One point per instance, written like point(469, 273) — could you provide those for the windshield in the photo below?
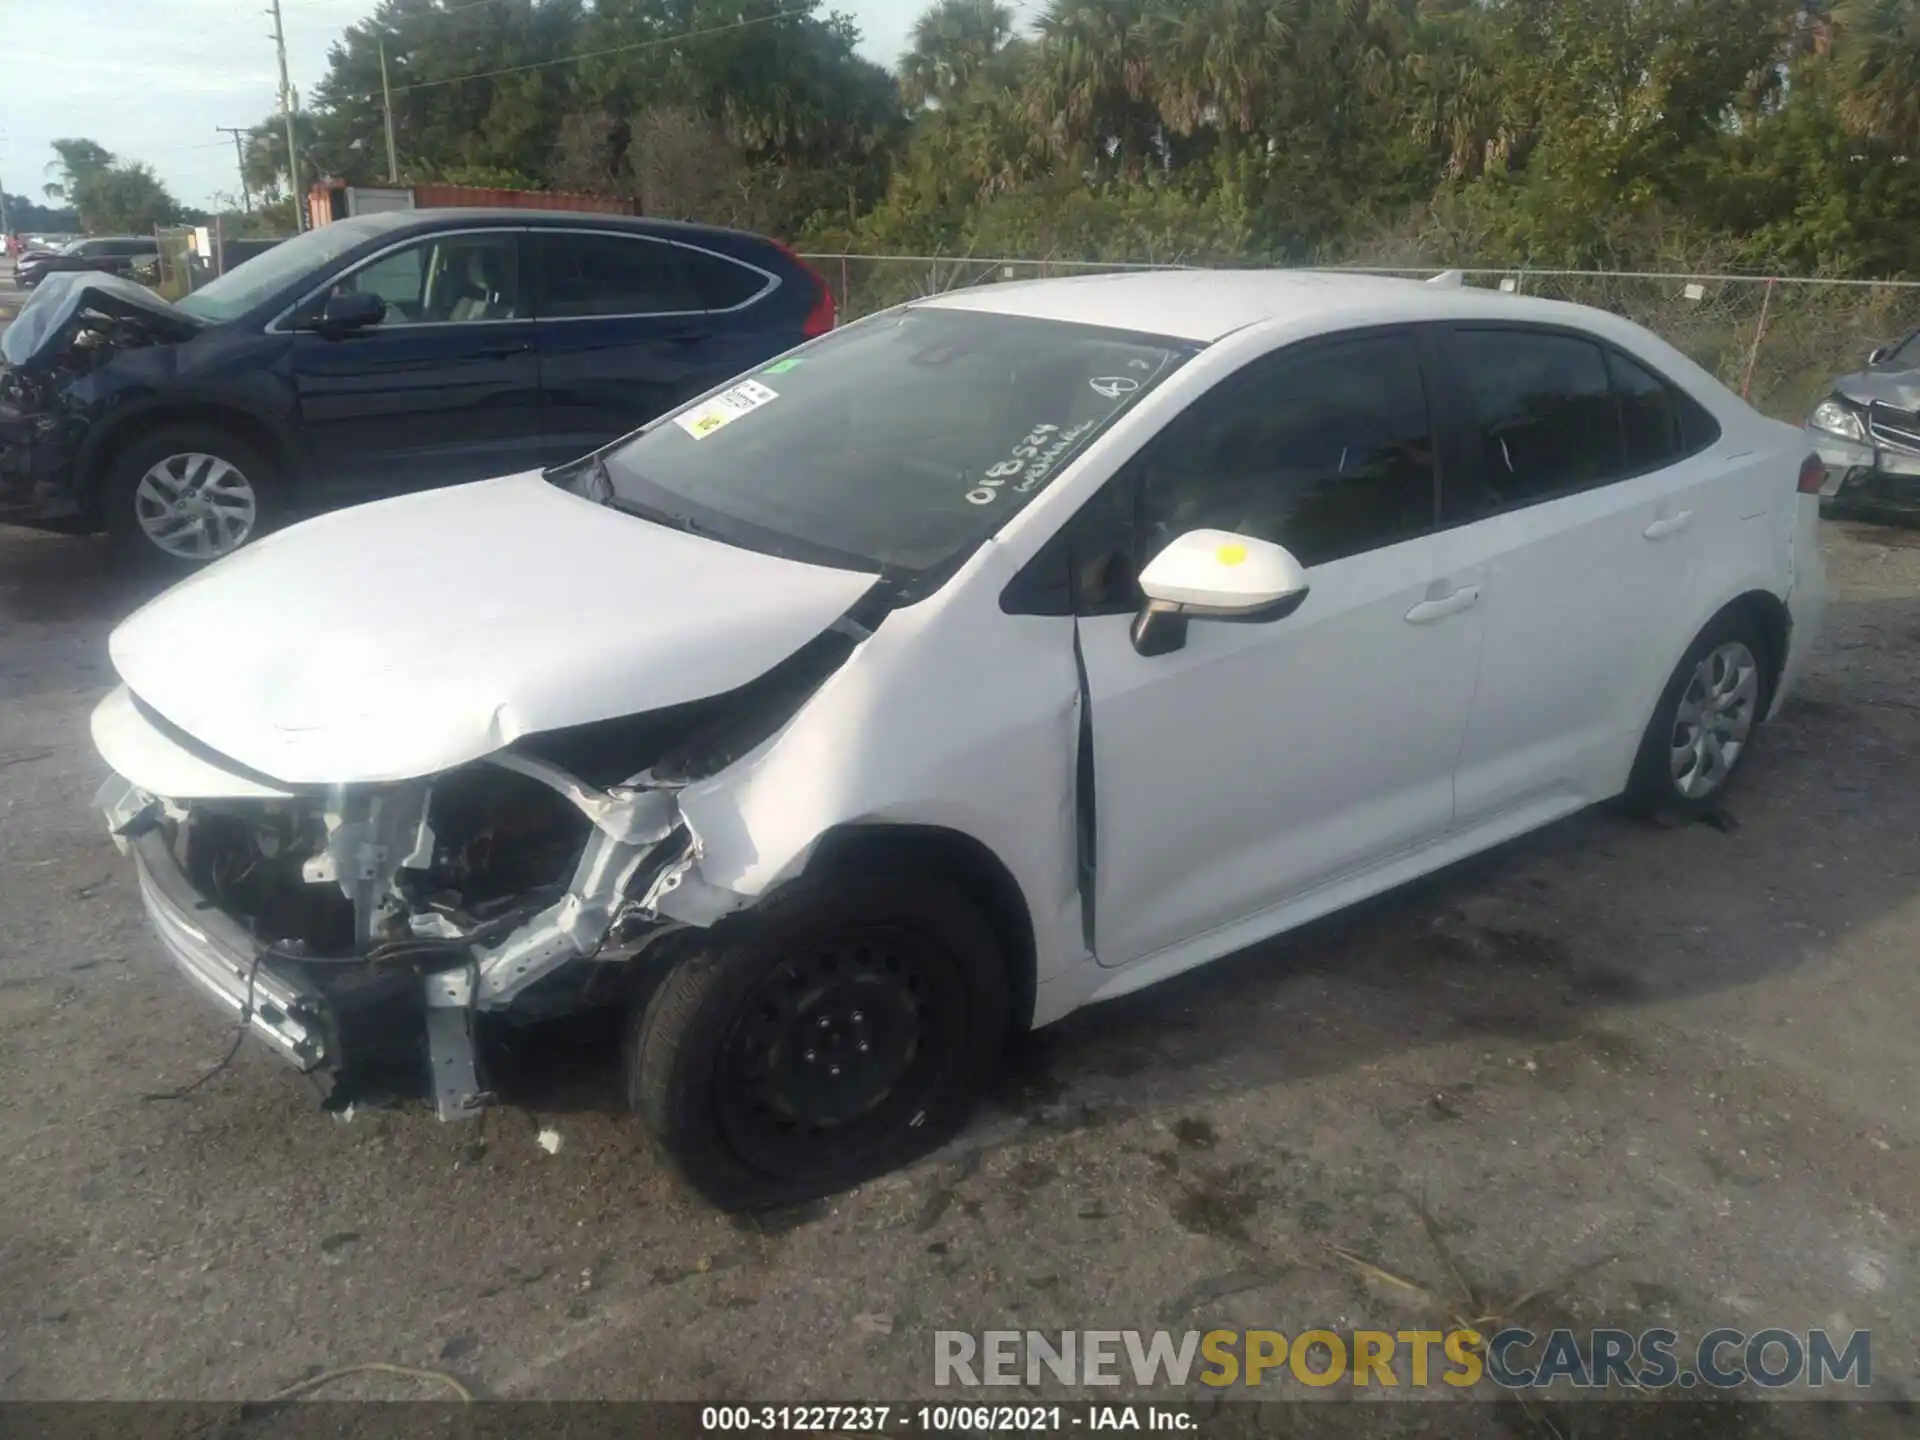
point(1907, 357)
point(897, 444)
point(253, 281)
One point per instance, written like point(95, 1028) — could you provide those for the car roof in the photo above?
point(1206, 305)
point(461, 216)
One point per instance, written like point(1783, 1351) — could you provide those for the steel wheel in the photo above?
point(1714, 719)
point(195, 506)
point(840, 1046)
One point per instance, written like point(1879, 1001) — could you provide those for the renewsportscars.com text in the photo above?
point(1513, 1358)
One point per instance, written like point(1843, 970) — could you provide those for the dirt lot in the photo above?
point(1694, 1050)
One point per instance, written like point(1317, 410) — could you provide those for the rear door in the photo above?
point(623, 335)
point(1590, 494)
point(446, 388)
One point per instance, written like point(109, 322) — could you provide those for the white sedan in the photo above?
point(992, 656)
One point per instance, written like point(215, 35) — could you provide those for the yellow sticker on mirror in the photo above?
point(1231, 554)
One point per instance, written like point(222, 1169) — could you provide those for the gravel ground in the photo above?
point(1692, 1050)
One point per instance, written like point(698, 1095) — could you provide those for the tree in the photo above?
point(1772, 133)
point(109, 196)
point(73, 160)
point(28, 216)
point(1879, 59)
point(1216, 62)
point(954, 43)
point(1090, 86)
point(123, 199)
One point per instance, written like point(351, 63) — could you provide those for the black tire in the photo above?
point(898, 962)
point(1654, 790)
point(121, 499)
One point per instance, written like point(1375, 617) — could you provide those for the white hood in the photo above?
point(399, 638)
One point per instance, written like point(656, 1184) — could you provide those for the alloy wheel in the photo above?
point(195, 506)
point(1714, 719)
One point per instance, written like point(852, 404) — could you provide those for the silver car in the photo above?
point(1868, 434)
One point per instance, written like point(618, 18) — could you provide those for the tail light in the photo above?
point(823, 316)
point(1813, 475)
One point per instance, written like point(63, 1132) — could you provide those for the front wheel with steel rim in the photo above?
point(844, 1029)
point(1704, 724)
point(186, 496)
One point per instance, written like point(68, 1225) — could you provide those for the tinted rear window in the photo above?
point(603, 274)
point(1660, 423)
point(721, 283)
point(1649, 415)
point(1545, 411)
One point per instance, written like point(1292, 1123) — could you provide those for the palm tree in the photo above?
point(1217, 61)
point(1090, 86)
point(1878, 51)
point(953, 44)
point(1450, 84)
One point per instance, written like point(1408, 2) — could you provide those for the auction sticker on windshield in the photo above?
point(725, 408)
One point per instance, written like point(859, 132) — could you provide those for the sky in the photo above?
point(150, 79)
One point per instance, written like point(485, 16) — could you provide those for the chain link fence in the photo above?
point(1781, 342)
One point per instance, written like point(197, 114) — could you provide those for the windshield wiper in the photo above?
point(686, 524)
point(599, 488)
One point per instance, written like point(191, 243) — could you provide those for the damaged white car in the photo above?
point(982, 659)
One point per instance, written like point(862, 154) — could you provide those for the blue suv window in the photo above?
point(602, 274)
point(721, 282)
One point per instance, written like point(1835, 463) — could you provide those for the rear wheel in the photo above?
point(184, 496)
point(846, 1028)
point(1705, 722)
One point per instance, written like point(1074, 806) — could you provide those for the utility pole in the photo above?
point(286, 114)
point(240, 159)
point(386, 103)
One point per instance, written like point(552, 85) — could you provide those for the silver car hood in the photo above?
point(1898, 388)
point(400, 638)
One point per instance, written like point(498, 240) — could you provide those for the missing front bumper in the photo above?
point(401, 1007)
point(224, 963)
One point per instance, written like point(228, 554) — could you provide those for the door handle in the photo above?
point(1671, 525)
point(1428, 611)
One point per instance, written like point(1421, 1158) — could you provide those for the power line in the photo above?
point(594, 54)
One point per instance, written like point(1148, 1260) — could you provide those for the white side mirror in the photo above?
point(1214, 575)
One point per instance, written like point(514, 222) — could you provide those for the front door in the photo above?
point(1260, 762)
point(445, 388)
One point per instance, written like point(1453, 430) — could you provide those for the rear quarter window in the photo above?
point(1660, 423)
point(721, 283)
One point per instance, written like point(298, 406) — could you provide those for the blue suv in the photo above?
point(374, 356)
